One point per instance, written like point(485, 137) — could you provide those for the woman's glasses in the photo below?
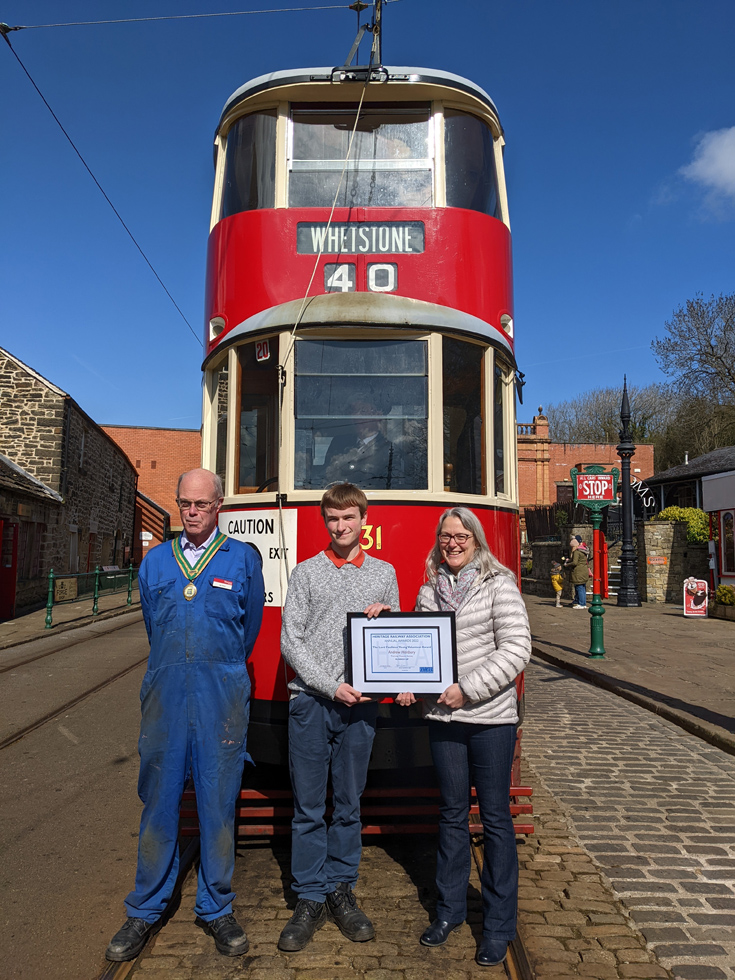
point(459, 538)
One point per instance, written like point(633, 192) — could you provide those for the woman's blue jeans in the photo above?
point(580, 592)
point(482, 754)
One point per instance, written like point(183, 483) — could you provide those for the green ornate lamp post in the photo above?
point(596, 488)
point(628, 591)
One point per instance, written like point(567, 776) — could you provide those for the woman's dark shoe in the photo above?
point(129, 940)
point(229, 937)
point(438, 932)
point(308, 916)
point(491, 952)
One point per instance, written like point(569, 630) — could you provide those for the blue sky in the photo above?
point(620, 156)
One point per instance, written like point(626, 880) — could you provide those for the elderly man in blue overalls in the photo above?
point(202, 600)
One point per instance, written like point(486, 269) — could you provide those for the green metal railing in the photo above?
point(94, 584)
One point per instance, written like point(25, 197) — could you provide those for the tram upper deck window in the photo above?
point(470, 163)
point(462, 387)
point(361, 414)
point(390, 163)
point(250, 164)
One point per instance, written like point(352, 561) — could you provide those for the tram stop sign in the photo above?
point(596, 489)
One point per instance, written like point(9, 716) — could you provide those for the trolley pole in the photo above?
point(596, 489)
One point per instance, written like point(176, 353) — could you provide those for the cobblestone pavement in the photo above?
point(655, 809)
point(396, 890)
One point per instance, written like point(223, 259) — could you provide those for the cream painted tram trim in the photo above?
point(286, 414)
point(283, 125)
point(440, 177)
point(498, 145)
point(219, 177)
point(333, 94)
point(232, 421)
point(435, 442)
point(208, 461)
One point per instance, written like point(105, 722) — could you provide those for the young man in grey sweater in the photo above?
point(331, 725)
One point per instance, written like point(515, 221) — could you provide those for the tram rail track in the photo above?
point(517, 964)
point(6, 668)
point(55, 712)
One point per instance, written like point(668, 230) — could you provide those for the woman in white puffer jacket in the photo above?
point(472, 727)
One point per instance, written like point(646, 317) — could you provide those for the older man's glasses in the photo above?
point(196, 504)
point(459, 538)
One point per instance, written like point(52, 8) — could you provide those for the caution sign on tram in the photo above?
point(273, 535)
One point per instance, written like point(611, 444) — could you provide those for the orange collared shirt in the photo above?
point(332, 555)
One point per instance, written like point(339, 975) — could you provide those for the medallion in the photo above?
point(190, 591)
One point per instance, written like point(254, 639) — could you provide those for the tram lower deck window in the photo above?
point(257, 445)
point(390, 162)
point(361, 414)
point(464, 440)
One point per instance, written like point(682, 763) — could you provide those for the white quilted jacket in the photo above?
point(493, 647)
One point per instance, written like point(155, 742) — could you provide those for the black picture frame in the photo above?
point(398, 651)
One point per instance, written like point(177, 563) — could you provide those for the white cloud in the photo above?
point(713, 167)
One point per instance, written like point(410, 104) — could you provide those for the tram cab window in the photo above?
point(361, 414)
point(390, 163)
point(257, 445)
point(220, 407)
point(250, 164)
point(469, 163)
point(500, 402)
point(464, 456)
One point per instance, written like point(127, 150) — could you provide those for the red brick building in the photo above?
point(159, 457)
point(543, 465)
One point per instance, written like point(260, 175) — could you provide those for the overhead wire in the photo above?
point(101, 189)
point(225, 13)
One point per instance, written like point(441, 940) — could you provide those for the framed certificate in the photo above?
point(396, 652)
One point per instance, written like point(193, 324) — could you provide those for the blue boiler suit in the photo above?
point(195, 710)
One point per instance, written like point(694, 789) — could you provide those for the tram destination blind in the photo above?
point(366, 238)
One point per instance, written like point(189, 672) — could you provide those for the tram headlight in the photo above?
point(216, 326)
point(506, 322)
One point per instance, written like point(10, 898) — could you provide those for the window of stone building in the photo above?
point(73, 550)
point(81, 449)
point(30, 538)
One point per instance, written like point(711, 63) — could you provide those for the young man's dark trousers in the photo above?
point(326, 734)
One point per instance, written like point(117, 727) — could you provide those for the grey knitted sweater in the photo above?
point(314, 629)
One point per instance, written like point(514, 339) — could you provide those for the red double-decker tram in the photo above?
point(359, 319)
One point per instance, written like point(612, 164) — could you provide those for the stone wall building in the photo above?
point(48, 437)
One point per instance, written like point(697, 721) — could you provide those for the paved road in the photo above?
point(655, 808)
point(39, 677)
point(69, 816)
point(683, 668)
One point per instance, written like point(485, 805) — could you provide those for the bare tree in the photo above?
point(698, 350)
point(594, 416)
